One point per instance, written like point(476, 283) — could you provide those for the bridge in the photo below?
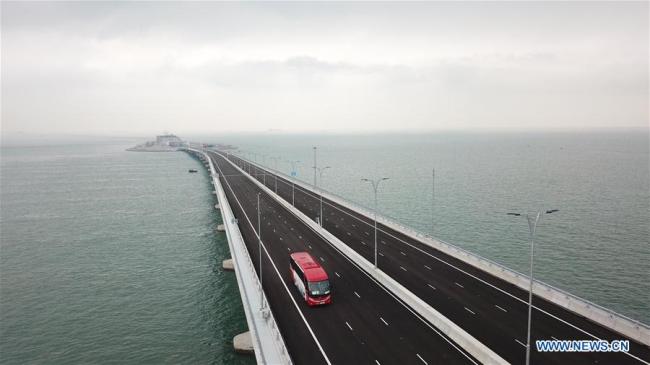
point(426, 302)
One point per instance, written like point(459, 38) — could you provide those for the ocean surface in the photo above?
point(597, 246)
point(108, 256)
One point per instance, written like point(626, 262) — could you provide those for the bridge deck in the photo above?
point(365, 323)
point(489, 308)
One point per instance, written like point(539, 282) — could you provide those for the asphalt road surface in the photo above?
point(365, 324)
point(492, 310)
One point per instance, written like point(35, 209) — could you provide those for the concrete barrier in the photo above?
point(268, 344)
point(616, 322)
point(474, 347)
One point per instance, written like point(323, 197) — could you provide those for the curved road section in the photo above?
point(490, 309)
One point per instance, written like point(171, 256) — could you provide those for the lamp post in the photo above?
point(320, 172)
point(375, 186)
point(532, 226)
point(433, 195)
point(259, 240)
point(275, 164)
point(315, 168)
point(293, 182)
point(263, 170)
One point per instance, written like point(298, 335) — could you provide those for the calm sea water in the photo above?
point(110, 256)
point(597, 246)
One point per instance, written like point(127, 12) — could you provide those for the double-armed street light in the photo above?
point(375, 186)
point(532, 226)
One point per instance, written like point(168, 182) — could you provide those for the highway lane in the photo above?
point(492, 310)
point(365, 323)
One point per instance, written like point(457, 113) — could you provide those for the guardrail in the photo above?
point(267, 339)
point(471, 345)
point(619, 323)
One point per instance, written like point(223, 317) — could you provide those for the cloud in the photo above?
point(145, 67)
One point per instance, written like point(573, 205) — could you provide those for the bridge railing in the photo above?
point(267, 339)
point(624, 325)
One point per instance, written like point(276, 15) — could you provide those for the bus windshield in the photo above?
point(319, 287)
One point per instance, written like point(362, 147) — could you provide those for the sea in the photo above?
point(109, 256)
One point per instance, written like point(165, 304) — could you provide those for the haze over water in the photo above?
point(597, 246)
point(108, 255)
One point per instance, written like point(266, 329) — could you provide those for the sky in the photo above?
point(135, 68)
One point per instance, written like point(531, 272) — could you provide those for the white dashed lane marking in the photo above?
point(500, 308)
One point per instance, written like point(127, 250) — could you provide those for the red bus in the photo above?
point(310, 278)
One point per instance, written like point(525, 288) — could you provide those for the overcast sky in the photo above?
point(139, 68)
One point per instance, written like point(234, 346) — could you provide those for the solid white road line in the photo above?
point(421, 359)
point(501, 308)
point(275, 268)
point(434, 329)
point(468, 274)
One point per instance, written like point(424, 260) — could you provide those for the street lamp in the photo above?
point(320, 172)
point(433, 196)
point(293, 183)
point(315, 168)
point(259, 240)
point(375, 186)
point(275, 164)
point(532, 226)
